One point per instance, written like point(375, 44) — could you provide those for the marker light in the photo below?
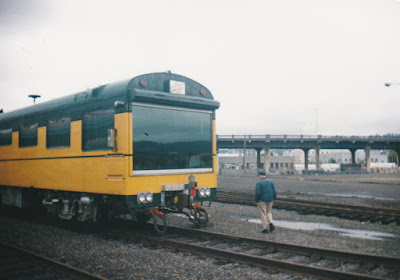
point(143, 83)
point(202, 91)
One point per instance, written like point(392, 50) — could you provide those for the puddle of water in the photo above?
point(355, 233)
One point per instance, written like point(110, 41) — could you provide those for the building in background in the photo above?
point(232, 160)
point(292, 161)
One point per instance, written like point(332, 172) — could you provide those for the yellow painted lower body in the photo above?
point(105, 175)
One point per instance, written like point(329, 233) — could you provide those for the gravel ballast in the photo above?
point(116, 259)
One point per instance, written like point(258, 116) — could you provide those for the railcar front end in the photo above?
point(143, 147)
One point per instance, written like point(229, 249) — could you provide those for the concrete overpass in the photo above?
point(308, 142)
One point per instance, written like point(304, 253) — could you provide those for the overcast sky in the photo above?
point(275, 66)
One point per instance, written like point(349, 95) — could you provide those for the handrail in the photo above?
point(306, 137)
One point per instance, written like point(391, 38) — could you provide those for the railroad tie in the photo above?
point(388, 221)
point(309, 260)
point(334, 264)
point(364, 268)
point(393, 275)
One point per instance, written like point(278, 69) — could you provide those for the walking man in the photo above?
point(265, 195)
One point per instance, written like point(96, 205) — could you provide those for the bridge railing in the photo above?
point(249, 136)
point(308, 137)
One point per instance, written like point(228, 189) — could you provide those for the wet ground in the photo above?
point(310, 226)
point(362, 186)
point(315, 230)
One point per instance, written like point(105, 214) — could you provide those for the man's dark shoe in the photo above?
point(271, 228)
point(265, 231)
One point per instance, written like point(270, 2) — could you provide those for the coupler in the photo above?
point(198, 215)
point(159, 220)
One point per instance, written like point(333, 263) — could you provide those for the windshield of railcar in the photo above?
point(171, 140)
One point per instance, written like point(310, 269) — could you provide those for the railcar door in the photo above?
point(114, 168)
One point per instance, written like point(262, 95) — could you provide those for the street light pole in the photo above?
point(389, 84)
point(34, 96)
point(316, 120)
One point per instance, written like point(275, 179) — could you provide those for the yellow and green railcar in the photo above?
point(134, 147)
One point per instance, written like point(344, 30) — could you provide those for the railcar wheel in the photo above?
point(160, 223)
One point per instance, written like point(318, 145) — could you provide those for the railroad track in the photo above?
point(17, 263)
point(383, 215)
point(272, 256)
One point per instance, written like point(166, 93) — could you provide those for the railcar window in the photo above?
point(95, 127)
point(167, 138)
point(5, 137)
point(59, 133)
point(28, 135)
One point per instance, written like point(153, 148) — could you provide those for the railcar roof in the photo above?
point(151, 88)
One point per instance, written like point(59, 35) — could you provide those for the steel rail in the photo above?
point(363, 213)
point(253, 252)
point(286, 247)
point(189, 240)
point(63, 270)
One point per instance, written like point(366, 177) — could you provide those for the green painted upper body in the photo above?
point(151, 88)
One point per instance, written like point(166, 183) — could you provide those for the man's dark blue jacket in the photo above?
point(265, 190)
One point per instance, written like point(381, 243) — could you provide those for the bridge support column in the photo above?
point(317, 163)
point(259, 168)
point(244, 156)
point(353, 155)
point(398, 157)
point(306, 158)
point(368, 157)
point(266, 160)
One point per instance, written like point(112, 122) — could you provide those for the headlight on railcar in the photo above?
point(204, 192)
point(149, 197)
point(141, 198)
point(145, 197)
